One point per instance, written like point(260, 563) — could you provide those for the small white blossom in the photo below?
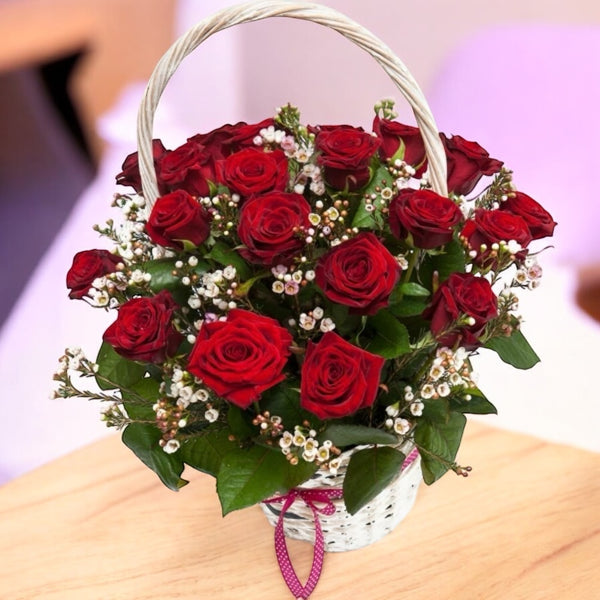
point(171, 446)
point(307, 322)
point(278, 287)
point(229, 272)
point(416, 408)
point(401, 426)
point(286, 440)
point(211, 415)
point(317, 312)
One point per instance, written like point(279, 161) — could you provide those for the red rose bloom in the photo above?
point(224, 140)
point(360, 273)
point(176, 217)
point(493, 226)
point(393, 135)
point(244, 134)
point(241, 357)
point(462, 294)
point(270, 227)
point(345, 153)
point(189, 167)
point(253, 171)
point(467, 163)
point(427, 216)
point(143, 329)
point(87, 266)
point(538, 219)
point(338, 378)
point(130, 174)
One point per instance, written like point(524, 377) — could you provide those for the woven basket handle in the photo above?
point(256, 11)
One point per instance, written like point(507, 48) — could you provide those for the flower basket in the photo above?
point(298, 307)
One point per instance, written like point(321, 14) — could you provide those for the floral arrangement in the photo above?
point(297, 291)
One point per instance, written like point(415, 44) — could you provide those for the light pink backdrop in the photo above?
point(531, 104)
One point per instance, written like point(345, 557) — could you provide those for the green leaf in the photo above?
point(450, 260)
point(225, 256)
point(283, 400)
point(149, 390)
point(364, 218)
point(347, 435)
point(247, 476)
point(438, 442)
point(477, 405)
point(115, 371)
point(369, 472)
point(240, 423)
point(391, 337)
point(407, 307)
point(414, 289)
point(514, 350)
point(162, 276)
point(142, 439)
point(206, 452)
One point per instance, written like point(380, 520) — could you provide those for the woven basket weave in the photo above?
point(341, 531)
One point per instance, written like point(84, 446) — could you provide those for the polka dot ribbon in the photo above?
point(319, 501)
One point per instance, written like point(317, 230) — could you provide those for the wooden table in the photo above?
point(98, 525)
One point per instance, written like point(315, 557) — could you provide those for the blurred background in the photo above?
point(521, 77)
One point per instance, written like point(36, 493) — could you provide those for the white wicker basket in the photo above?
point(341, 530)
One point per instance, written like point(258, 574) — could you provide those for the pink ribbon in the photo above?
point(311, 498)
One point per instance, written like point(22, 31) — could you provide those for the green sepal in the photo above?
point(514, 350)
point(349, 435)
point(143, 440)
point(115, 371)
point(206, 452)
point(247, 476)
point(391, 337)
point(369, 472)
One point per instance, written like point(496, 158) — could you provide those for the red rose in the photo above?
point(538, 219)
point(360, 273)
point(427, 216)
point(271, 227)
point(345, 153)
point(467, 163)
point(241, 357)
point(143, 329)
point(176, 217)
point(217, 141)
point(338, 378)
point(244, 134)
point(224, 140)
point(461, 295)
point(393, 135)
point(493, 226)
point(253, 171)
point(130, 174)
point(189, 167)
point(87, 266)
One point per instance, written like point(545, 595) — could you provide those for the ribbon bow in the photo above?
point(320, 502)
